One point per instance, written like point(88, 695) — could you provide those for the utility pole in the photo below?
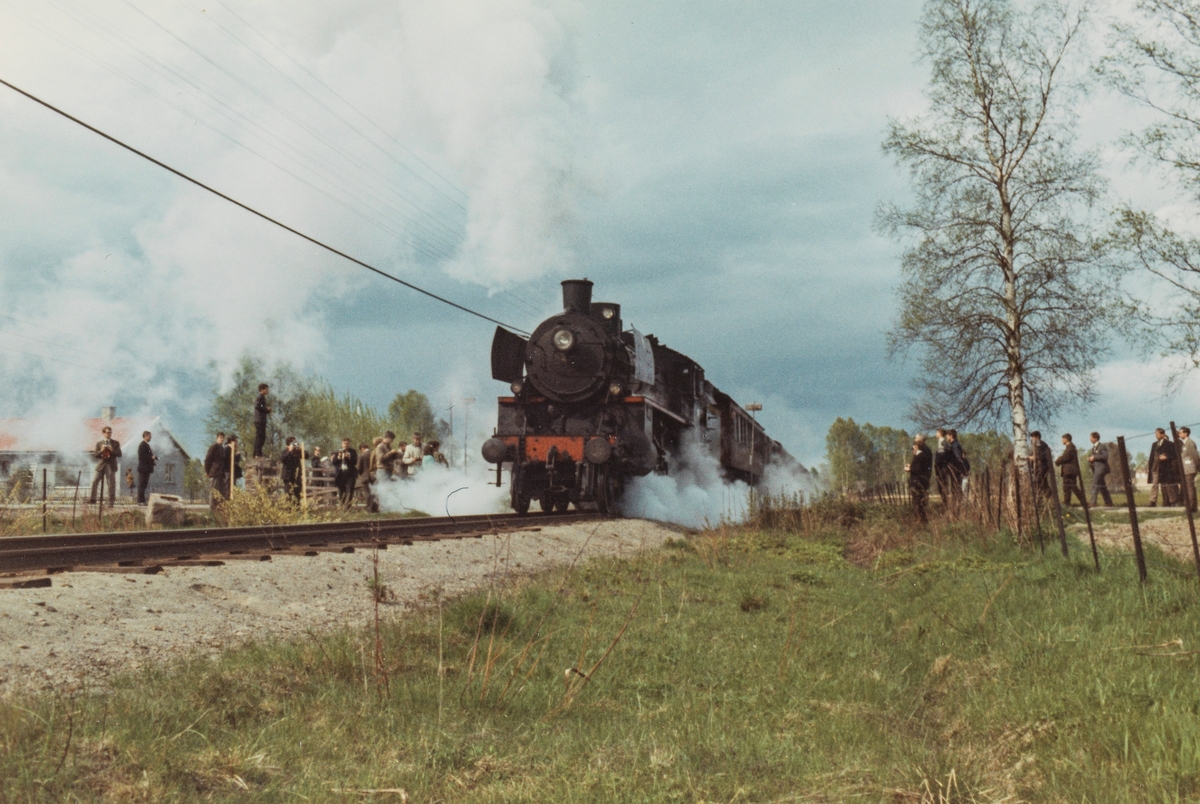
point(450, 437)
point(466, 427)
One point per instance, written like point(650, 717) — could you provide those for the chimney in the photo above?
point(577, 296)
point(108, 413)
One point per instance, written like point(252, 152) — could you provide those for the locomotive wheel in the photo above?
point(521, 505)
point(547, 503)
point(608, 489)
point(560, 507)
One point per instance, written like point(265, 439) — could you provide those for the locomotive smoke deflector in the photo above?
point(508, 356)
point(577, 296)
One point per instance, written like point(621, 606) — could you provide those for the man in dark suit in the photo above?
point(216, 468)
point(146, 460)
point(919, 472)
point(1041, 463)
point(1161, 469)
point(106, 453)
point(345, 465)
point(261, 411)
point(1068, 464)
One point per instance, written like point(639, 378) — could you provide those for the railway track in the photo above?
point(27, 561)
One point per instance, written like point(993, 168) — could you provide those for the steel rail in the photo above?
point(67, 551)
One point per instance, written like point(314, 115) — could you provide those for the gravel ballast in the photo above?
point(90, 625)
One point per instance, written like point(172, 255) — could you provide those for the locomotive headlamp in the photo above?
point(564, 340)
point(607, 312)
point(614, 388)
point(517, 387)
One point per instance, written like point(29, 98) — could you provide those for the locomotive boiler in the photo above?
point(593, 404)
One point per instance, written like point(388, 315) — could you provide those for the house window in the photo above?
point(169, 473)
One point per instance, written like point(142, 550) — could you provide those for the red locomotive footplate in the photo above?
point(537, 448)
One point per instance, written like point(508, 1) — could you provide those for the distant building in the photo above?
point(64, 450)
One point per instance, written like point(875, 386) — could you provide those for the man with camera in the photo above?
point(106, 453)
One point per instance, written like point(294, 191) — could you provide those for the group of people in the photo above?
point(107, 453)
point(353, 470)
point(1171, 470)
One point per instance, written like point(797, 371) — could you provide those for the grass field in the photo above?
point(859, 660)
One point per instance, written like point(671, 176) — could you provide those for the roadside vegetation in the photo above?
point(823, 654)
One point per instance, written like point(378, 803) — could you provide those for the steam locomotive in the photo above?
point(593, 404)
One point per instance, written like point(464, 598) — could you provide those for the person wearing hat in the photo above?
point(106, 453)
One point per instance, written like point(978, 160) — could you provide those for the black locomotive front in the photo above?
point(574, 427)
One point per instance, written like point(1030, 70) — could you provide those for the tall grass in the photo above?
point(853, 658)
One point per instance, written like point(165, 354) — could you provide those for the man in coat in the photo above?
point(216, 468)
point(1042, 463)
point(413, 453)
point(145, 467)
point(345, 467)
point(1161, 469)
point(1068, 464)
point(1190, 458)
point(261, 411)
point(919, 472)
point(289, 468)
point(365, 479)
point(106, 453)
point(1098, 459)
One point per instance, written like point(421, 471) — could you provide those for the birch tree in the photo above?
point(1003, 293)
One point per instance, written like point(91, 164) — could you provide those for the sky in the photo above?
point(713, 167)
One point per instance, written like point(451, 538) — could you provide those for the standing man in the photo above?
point(385, 457)
point(413, 454)
point(1098, 458)
point(261, 411)
point(289, 468)
point(1191, 462)
point(919, 471)
point(215, 464)
point(364, 477)
point(1161, 469)
point(1069, 466)
point(106, 453)
point(146, 461)
point(345, 466)
point(1042, 463)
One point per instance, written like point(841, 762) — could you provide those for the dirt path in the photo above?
point(1169, 533)
point(90, 625)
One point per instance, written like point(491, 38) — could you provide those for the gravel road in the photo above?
point(89, 625)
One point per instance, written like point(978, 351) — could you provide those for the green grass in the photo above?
point(736, 666)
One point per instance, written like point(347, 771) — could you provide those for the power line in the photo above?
point(262, 215)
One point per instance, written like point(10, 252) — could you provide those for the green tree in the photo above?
point(891, 450)
point(989, 448)
point(1004, 289)
point(411, 413)
point(850, 453)
point(195, 484)
point(303, 406)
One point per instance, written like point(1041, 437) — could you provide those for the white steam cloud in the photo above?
point(697, 495)
point(438, 491)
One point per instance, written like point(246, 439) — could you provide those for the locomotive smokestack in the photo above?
point(577, 296)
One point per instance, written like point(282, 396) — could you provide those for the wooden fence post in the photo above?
point(1133, 520)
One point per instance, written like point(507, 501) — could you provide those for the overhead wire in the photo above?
point(267, 100)
point(433, 242)
point(358, 213)
point(419, 242)
point(259, 214)
point(212, 20)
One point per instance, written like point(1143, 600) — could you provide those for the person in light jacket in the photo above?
point(1098, 459)
point(1190, 457)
